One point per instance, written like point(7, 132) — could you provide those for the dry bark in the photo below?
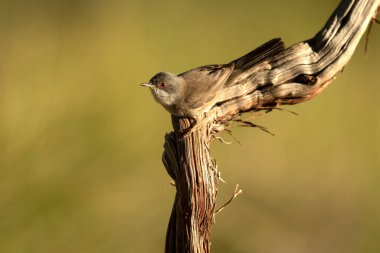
point(295, 75)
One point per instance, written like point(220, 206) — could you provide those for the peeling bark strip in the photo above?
point(294, 75)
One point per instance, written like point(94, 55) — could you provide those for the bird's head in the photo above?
point(166, 88)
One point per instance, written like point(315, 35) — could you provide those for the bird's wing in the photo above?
point(205, 81)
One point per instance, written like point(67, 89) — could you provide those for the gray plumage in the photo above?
point(197, 90)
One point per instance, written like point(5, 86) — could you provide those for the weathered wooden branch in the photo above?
point(295, 75)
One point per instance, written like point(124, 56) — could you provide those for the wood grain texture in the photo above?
point(294, 75)
point(303, 70)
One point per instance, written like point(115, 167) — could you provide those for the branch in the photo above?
point(303, 70)
point(294, 75)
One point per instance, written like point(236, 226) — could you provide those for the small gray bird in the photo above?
point(196, 91)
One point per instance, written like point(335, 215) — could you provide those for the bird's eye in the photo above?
point(162, 85)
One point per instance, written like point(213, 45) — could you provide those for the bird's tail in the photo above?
point(259, 54)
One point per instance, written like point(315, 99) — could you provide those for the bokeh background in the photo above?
point(81, 142)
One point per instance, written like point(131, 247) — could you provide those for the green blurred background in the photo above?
point(81, 142)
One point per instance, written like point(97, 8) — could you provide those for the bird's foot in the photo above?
point(194, 125)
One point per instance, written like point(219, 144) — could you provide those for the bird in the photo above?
point(196, 91)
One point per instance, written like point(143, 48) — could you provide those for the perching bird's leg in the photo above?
point(194, 125)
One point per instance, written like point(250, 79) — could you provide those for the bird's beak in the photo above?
point(149, 85)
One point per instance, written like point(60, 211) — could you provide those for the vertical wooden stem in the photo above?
point(188, 161)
